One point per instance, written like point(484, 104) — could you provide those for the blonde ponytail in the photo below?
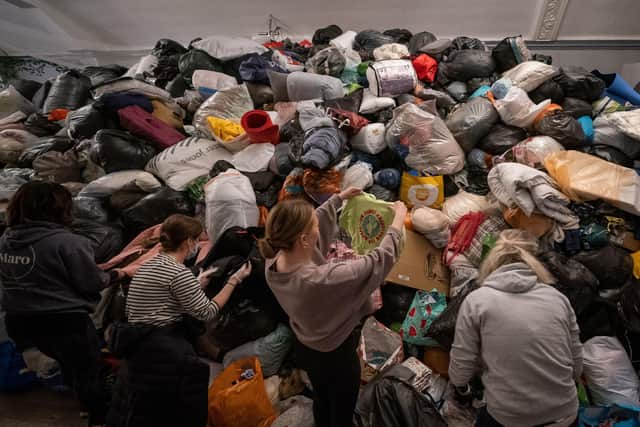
point(515, 246)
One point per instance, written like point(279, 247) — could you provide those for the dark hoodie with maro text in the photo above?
point(46, 269)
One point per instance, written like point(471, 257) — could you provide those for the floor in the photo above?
point(40, 407)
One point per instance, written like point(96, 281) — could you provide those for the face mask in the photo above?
point(194, 251)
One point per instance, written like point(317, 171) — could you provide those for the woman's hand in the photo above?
point(205, 277)
point(350, 193)
point(242, 273)
point(400, 210)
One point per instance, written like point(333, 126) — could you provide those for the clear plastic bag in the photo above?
point(517, 109)
point(424, 141)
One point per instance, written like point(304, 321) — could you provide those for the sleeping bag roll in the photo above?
point(392, 77)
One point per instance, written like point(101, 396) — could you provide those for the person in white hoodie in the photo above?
point(521, 335)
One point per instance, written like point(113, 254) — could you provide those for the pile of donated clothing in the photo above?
point(474, 140)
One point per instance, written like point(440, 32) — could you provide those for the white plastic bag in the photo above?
point(455, 207)
point(11, 101)
point(370, 139)
point(230, 201)
point(226, 104)
point(359, 176)
point(254, 158)
point(109, 184)
point(344, 40)
point(179, 164)
point(391, 51)
point(433, 224)
point(516, 109)
point(609, 373)
point(225, 48)
point(628, 122)
point(213, 80)
point(530, 74)
point(372, 104)
point(424, 141)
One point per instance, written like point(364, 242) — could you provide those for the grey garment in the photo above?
point(45, 268)
point(531, 190)
point(311, 117)
point(303, 86)
point(523, 337)
point(322, 147)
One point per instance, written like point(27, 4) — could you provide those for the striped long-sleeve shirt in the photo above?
point(163, 290)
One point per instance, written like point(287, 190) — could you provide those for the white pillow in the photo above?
point(225, 48)
point(372, 104)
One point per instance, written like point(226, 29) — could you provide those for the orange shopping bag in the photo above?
point(238, 402)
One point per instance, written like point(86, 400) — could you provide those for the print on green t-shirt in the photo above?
point(367, 220)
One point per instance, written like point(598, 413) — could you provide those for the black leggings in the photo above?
point(335, 377)
point(72, 340)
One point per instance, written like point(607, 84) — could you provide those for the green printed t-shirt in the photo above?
point(367, 221)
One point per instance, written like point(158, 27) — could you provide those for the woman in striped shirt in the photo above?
point(164, 382)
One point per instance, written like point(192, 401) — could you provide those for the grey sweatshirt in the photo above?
point(325, 301)
point(45, 268)
point(523, 337)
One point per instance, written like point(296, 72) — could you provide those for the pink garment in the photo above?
point(338, 250)
point(141, 123)
point(144, 254)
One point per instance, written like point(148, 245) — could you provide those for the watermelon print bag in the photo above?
point(425, 308)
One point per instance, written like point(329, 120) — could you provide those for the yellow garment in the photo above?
point(224, 129)
point(636, 264)
point(166, 114)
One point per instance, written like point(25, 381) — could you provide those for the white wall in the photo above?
point(104, 31)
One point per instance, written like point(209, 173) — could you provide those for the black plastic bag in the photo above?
point(382, 193)
point(241, 323)
point(472, 121)
point(177, 87)
point(609, 154)
point(106, 239)
point(444, 101)
point(443, 328)
point(458, 91)
point(90, 209)
point(569, 272)
point(69, 91)
point(464, 42)
point(154, 209)
point(463, 65)
point(325, 35)
point(419, 40)
point(27, 88)
point(39, 125)
point(576, 107)
point(115, 150)
point(563, 128)
point(348, 103)
point(612, 265)
point(629, 306)
point(396, 301)
point(54, 143)
point(368, 40)
point(105, 73)
point(547, 90)
point(501, 138)
point(260, 94)
point(391, 401)
point(168, 47)
point(84, 122)
point(400, 35)
point(41, 95)
point(166, 70)
point(196, 59)
point(579, 83)
point(510, 52)
point(329, 61)
point(540, 57)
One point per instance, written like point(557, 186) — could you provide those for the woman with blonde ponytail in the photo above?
point(325, 301)
point(521, 335)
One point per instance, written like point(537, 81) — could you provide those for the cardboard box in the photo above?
point(420, 266)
